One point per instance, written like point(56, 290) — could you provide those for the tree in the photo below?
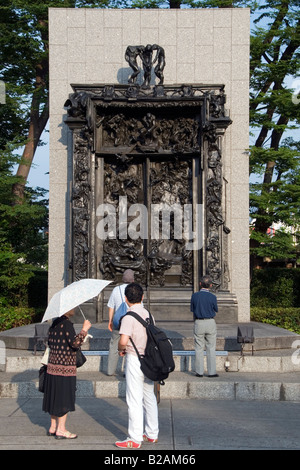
point(276, 198)
point(23, 238)
point(187, 3)
point(24, 69)
point(25, 72)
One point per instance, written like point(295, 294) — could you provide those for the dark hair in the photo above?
point(134, 293)
point(205, 282)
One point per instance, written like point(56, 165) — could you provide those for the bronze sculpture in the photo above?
point(145, 53)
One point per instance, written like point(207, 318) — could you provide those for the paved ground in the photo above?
point(185, 426)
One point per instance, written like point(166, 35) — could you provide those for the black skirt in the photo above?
point(59, 395)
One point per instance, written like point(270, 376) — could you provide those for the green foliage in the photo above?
point(185, 3)
point(22, 227)
point(23, 294)
point(12, 317)
point(279, 246)
point(275, 287)
point(14, 277)
point(23, 238)
point(275, 60)
point(287, 318)
point(24, 68)
point(38, 290)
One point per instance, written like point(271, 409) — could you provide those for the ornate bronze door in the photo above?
point(138, 151)
point(148, 196)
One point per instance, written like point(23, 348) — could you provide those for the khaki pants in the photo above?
point(113, 355)
point(205, 335)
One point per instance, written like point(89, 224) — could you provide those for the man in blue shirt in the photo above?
point(204, 307)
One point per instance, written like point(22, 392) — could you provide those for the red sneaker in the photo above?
point(128, 443)
point(147, 439)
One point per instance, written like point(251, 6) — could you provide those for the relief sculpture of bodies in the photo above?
point(145, 53)
point(161, 62)
point(131, 55)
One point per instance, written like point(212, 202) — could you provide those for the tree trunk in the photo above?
point(36, 127)
point(175, 3)
point(38, 118)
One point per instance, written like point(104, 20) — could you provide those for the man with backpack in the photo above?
point(140, 396)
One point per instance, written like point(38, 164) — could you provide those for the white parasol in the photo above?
point(72, 296)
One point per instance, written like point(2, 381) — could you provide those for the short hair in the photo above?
point(134, 293)
point(128, 276)
point(205, 282)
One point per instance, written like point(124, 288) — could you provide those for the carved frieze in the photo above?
point(163, 95)
point(81, 203)
point(148, 133)
point(216, 255)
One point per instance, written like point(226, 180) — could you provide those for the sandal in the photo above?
point(66, 435)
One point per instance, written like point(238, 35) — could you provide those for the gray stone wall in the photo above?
point(201, 46)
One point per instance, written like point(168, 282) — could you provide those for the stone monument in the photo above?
point(148, 157)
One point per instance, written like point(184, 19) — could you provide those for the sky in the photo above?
point(39, 171)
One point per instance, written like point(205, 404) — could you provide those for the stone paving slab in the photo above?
point(186, 426)
point(184, 385)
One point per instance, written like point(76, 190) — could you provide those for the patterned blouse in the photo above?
point(63, 343)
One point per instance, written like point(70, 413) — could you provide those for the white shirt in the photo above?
point(117, 297)
point(134, 329)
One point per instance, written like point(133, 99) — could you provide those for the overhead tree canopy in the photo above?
point(274, 62)
point(24, 59)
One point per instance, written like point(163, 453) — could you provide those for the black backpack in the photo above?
point(157, 362)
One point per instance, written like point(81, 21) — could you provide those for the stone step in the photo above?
point(228, 386)
point(279, 361)
point(180, 333)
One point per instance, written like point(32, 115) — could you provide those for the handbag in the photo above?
point(45, 357)
point(80, 358)
point(42, 375)
point(120, 312)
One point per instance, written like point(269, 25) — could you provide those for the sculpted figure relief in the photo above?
point(145, 53)
point(151, 133)
point(131, 55)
